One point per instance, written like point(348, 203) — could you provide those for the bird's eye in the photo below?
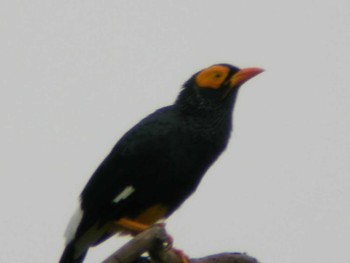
point(212, 77)
point(217, 75)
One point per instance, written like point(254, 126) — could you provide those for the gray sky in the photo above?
point(75, 75)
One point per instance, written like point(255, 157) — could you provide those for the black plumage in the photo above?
point(158, 163)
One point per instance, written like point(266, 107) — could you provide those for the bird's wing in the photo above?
point(139, 158)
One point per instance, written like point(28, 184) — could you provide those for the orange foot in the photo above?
point(184, 258)
point(132, 226)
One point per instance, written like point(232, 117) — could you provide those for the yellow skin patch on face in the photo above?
point(212, 77)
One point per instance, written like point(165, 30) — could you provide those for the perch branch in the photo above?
point(156, 242)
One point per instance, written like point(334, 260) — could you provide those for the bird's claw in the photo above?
point(184, 258)
point(169, 241)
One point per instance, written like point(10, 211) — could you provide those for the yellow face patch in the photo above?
point(212, 77)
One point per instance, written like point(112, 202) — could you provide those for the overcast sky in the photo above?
point(75, 75)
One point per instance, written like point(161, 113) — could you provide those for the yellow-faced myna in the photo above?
point(159, 162)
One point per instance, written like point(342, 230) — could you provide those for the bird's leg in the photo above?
point(135, 228)
point(131, 225)
point(183, 257)
point(178, 252)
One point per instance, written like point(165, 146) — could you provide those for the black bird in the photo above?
point(159, 162)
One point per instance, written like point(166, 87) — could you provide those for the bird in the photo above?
point(159, 162)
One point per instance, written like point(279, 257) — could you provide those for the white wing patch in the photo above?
point(73, 224)
point(124, 194)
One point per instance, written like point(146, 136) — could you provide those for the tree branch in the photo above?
point(158, 244)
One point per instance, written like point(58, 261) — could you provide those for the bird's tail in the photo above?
point(69, 254)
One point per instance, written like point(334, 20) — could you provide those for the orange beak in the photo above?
point(244, 75)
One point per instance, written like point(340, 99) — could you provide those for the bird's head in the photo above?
point(216, 85)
